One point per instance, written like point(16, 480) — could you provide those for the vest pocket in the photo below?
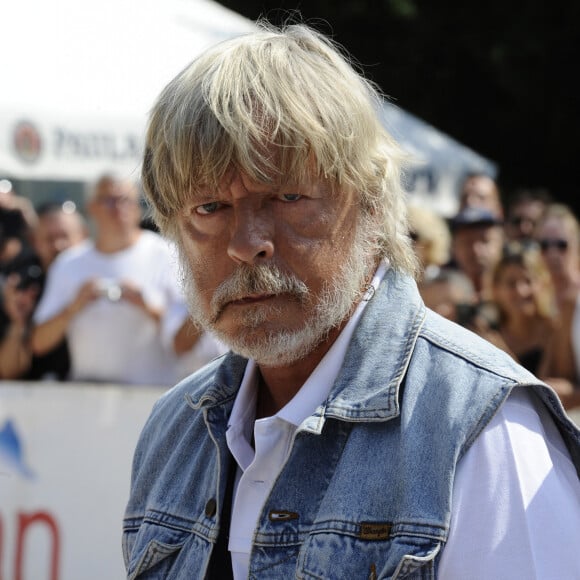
point(155, 562)
point(419, 566)
point(152, 551)
point(336, 555)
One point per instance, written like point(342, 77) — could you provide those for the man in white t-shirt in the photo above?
point(351, 432)
point(109, 296)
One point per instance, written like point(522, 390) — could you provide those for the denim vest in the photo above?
point(366, 490)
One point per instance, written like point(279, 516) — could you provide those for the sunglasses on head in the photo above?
point(561, 245)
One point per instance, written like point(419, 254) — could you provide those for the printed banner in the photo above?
point(65, 464)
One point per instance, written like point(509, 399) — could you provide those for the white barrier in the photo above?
point(65, 462)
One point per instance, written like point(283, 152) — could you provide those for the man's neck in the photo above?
point(277, 386)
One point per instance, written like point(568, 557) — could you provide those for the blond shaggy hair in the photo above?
point(281, 106)
point(431, 229)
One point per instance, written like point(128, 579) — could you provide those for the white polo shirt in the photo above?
point(518, 454)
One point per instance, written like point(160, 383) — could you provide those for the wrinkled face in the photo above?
point(272, 270)
point(516, 291)
point(559, 246)
point(56, 232)
point(477, 248)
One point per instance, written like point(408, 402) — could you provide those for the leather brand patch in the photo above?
point(282, 516)
point(374, 531)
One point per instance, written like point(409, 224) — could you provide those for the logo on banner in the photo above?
point(27, 142)
point(12, 451)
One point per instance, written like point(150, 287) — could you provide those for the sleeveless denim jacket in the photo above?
point(366, 490)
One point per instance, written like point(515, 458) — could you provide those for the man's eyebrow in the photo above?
point(203, 194)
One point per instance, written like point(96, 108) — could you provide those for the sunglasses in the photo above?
point(561, 245)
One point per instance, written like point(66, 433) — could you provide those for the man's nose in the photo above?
point(251, 238)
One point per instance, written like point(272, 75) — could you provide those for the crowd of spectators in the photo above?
point(512, 276)
point(108, 307)
point(100, 304)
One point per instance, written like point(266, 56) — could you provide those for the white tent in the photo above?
point(79, 78)
point(440, 162)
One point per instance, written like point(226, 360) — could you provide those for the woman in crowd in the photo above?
point(523, 295)
point(527, 315)
point(558, 236)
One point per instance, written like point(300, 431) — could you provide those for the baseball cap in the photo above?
point(475, 216)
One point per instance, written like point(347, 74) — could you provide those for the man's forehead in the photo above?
point(253, 186)
point(479, 183)
point(527, 208)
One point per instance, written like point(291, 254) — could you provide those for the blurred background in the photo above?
point(497, 76)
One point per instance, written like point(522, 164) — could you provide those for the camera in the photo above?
point(110, 290)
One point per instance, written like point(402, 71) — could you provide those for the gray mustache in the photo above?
point(261, 279)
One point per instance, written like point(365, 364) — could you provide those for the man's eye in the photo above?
point(290, 196)
point(208, 208)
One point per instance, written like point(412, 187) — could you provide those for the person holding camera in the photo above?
point(56, 228)
point(108, 296)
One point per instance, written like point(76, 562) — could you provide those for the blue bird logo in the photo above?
point(11, 452)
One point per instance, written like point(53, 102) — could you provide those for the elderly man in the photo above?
point(351, 433)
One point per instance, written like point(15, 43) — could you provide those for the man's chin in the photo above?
point(272, 349)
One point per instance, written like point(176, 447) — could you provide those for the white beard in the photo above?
point(284, 347)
